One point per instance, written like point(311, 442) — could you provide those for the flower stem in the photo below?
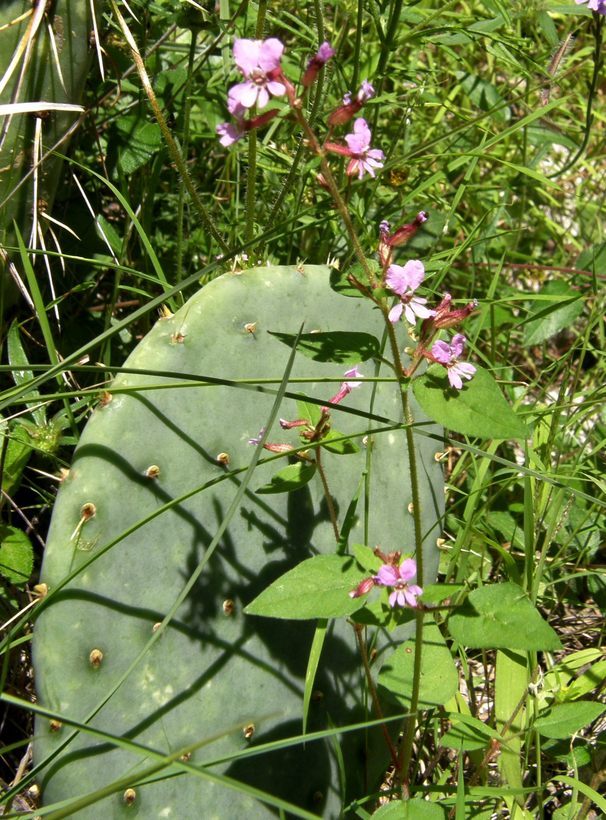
point(171, 144)
point(373, 691)
point(333, 188)
point(327, 495)
point(598, 25)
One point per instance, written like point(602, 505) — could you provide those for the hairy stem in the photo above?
point(173, 148)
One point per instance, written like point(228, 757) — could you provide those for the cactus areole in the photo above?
point(156, 470)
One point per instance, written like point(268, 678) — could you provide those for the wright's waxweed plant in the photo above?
point(259, 595)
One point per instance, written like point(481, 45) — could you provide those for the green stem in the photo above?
point(373, 691)
point(334, 190)
point(185, 143)
point(598, 25)
point(173, 148)
point(251, 176)
point(251, 187)
point(327, 495)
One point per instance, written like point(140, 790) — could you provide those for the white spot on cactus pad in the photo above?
point(162, 696)
point(165, 812)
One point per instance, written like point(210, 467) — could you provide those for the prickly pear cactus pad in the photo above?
point(157, 468)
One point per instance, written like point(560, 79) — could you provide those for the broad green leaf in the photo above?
point(563, 720)
point(500, 616)
point(16, 555)
point(289, 479)
point(342, 346)
point(141, 140)
point(591, 679)
point(311, 412)
point(436, 593)
point(339, 279)
point(317, 588)
point(479, 409)
point(548, 317)
point(415, 809)
point(439, 676)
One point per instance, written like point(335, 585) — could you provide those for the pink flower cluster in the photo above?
point(260, 63)
point(363, 158)
point(309, 431)
point(404, 280)
point(394, 574)
point(598, 6)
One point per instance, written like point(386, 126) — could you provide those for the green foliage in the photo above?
point(316, 588)
point(479, 409)
point(479, 110)
point(501, 616)
point(16, 555)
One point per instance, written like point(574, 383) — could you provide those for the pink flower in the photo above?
point(259, 62)
point(232, 132)
point(322, 56)
point(594, 5)
point(404, 280)
point(350, 107)
point(346, 387)
point(397, 577)
point(363, 157)
point(448, 355)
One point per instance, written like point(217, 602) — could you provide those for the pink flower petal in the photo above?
point(441, 352)
point(270, 54)
point(387, 576)
point(246, 55)
point(458, 345)
point(454, 378)
point(275, 88)
point(413, 273)
point(408, 569)
point(396, 279)
point(244, 93)
point(395, 313)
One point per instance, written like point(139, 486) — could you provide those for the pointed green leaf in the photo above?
point(16, 555)
point(563, 720)
point(547, 317)
point(342, 346)
point(479, 409)
point(289, 479)
point(317, 588)
point(342, 447)
point(500, 616)
point(439, 676)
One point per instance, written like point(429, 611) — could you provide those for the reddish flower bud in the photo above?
point(323, 55)
point(363, 588)
point(406, 232)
